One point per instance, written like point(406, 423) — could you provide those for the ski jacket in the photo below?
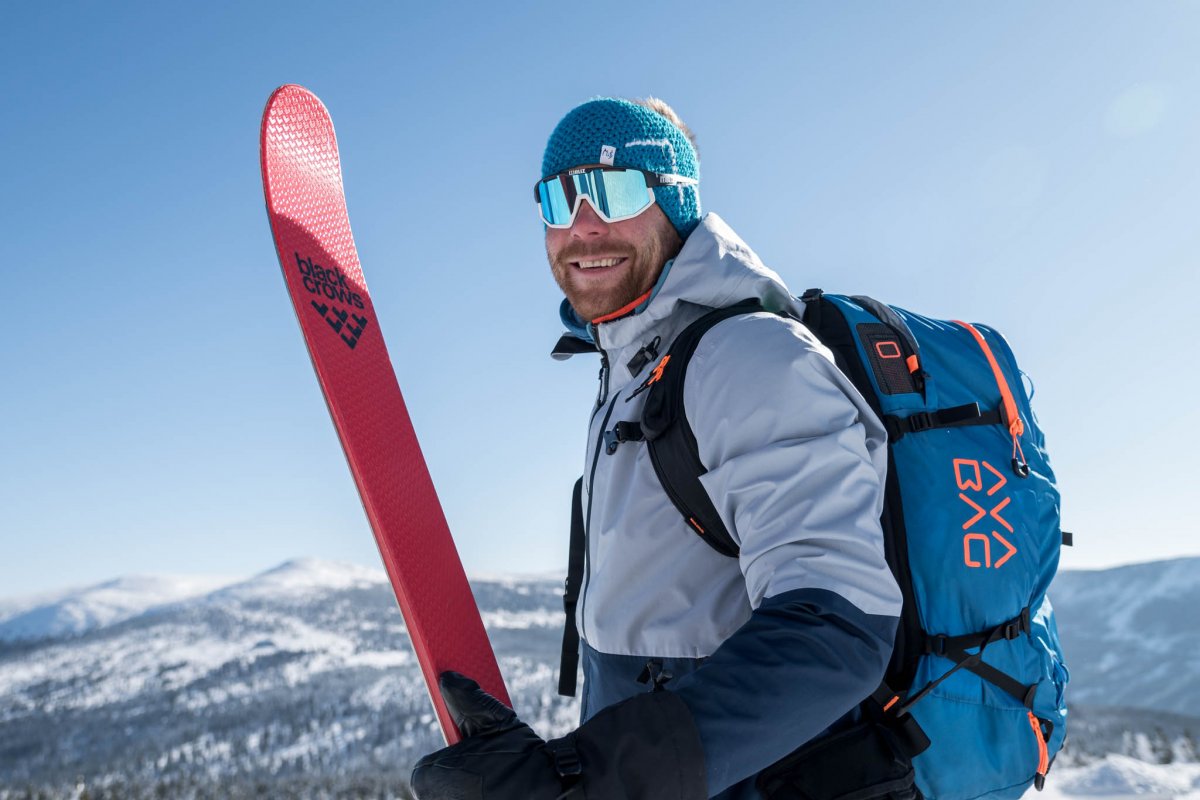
point(770, 649)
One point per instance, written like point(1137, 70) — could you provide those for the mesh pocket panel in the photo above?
point(887, 355)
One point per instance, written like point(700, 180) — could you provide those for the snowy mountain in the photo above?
point(79, 610)
point(1132, 634)
point(303, 676)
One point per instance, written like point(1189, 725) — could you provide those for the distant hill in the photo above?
point(1131, 634)
point(303, 676)
point(74, 611)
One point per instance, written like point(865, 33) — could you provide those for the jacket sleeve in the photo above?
point(796, 465)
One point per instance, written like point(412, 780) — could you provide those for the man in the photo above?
point(764, 651)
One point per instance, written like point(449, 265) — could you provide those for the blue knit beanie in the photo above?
point(624, 134)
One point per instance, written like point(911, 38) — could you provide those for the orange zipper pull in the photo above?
point(1012, 415)
point(1039, 780)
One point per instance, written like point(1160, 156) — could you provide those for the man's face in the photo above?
point(603, 266)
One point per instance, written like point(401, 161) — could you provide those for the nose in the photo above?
point(587, 222)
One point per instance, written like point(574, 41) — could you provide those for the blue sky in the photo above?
point(1034, 166)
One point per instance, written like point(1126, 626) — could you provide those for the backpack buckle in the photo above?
point(936, 645)
point(919, 421)
point(1018, 625)
point(622, 432)
point(566, 760)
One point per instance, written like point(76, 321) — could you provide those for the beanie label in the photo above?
point(608, 154)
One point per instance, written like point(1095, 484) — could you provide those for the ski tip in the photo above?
point(287, 103)
point(290, 87)
point(292, 92)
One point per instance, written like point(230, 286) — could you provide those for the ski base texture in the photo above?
point(302, 180)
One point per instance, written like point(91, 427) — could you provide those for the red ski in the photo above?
point(302, 179)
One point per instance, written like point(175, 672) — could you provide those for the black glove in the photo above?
point(645, 747)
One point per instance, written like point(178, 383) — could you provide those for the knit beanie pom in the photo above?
point(624, 134)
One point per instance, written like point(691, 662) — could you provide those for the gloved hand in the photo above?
point(646, 747)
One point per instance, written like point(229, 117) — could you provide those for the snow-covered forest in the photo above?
point(300, 682)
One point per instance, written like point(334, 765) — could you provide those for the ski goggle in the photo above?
point(615, 193)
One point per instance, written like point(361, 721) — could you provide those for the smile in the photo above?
point(598, 263)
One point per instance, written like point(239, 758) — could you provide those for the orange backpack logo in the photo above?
point(969, 477)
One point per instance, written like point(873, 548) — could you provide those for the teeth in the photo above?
point(603, 262)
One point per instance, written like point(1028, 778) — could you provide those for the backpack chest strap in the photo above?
point(967, 414)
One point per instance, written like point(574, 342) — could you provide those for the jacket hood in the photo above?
point(714, 269)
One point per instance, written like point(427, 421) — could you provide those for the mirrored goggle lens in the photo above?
point(614, 193)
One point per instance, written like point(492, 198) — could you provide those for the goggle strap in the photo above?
point(663, 179)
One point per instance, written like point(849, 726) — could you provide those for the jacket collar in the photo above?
point(714, 269)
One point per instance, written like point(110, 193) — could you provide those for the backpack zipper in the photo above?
point(1039, 778)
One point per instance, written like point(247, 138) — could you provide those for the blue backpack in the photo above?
point(972, 704)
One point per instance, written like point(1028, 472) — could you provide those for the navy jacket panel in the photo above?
point(803, 660)
point(800, 664)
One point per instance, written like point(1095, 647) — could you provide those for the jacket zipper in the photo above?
point(603, 395)
point(587, 526)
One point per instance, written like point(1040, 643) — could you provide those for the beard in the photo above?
point(592, 299)
point(645, 242)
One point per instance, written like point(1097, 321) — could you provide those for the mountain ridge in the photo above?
point(60, 613)
point(305, 672)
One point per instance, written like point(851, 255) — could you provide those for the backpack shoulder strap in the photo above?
point(669, 437)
